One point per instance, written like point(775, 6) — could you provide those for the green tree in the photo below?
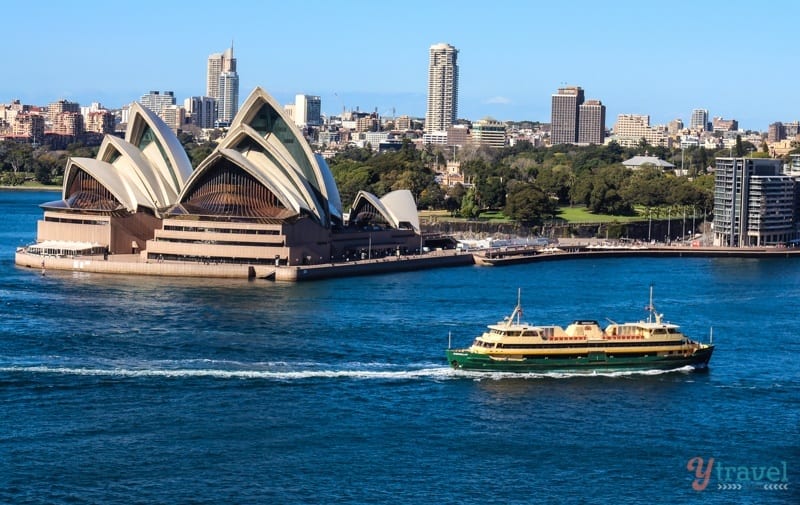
point(606, 196)
point(528, 204)
point(646, 186)
point(492, 191)
point(432, 197)
point(739, 147)
point(454, 197)
point(470, 208)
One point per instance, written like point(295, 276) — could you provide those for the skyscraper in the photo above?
point(228, 101)
point(442, 88)
point(591, 122)
point(222, 84)
point(564, 115)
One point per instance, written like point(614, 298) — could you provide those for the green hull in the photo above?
point(465, 360)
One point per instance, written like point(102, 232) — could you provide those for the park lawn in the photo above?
point(582, 215)
point(568, 214)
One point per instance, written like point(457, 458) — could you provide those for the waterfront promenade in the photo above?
point(134, 264)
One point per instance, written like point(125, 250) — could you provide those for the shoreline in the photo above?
point(130, 264)
point(30, 188)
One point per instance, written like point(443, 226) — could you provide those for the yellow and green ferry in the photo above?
point(512, 345)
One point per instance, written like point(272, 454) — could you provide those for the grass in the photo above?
point(581, 215)
point(568, 214)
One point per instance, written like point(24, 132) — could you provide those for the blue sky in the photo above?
point(735, 58)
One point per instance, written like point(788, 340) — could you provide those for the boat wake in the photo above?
point(285, 372)
point(244, 374)
point(478, 375)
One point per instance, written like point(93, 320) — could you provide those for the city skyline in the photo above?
point(663, 61)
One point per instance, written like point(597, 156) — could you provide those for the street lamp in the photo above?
point(669, 223)
point(683, 232)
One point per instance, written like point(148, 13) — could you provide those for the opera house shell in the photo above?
point(261, 197)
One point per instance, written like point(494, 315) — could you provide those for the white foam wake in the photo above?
point(431, 373)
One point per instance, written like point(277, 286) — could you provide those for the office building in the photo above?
point(307, 111)
point(489, 132)
point(754, 203)
point(591, 122)
point(442, 88)
point(564, 115)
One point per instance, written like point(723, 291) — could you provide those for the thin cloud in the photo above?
point(499, 100)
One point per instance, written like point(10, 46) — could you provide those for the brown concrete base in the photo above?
point(131, 264)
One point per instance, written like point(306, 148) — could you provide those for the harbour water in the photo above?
point(119, 389)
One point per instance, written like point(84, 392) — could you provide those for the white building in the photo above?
point(632, 128)
point(156, 101)
point(307, 110)
point(228, 101)
point(442, 88)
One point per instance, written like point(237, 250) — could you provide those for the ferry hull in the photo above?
point(466, 360)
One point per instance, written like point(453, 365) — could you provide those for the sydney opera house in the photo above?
point(262, 197)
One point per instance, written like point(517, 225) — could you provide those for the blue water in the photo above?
point(119, 389)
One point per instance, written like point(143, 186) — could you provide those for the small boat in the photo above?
point(515, 346)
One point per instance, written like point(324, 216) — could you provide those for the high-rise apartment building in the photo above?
point(442, 88)
point(156, 101)
point(222, 84)
point(28, 124)
point(202, 109)
point(307, 110)
point(779, 131)
point(57, 108)
point(228, 102)
point(754, 203)
point(564, 115)
point(68, 124)
point(591, 122)
point(99, 121)
point(699, 121)
point(173, 116)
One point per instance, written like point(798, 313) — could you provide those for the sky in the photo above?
point(735, 58)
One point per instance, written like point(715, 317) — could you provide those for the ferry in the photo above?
point(512, 345)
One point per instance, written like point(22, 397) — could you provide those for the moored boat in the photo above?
point(512, 345)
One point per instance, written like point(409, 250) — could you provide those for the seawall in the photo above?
point(134, 265)
point(130, 264)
